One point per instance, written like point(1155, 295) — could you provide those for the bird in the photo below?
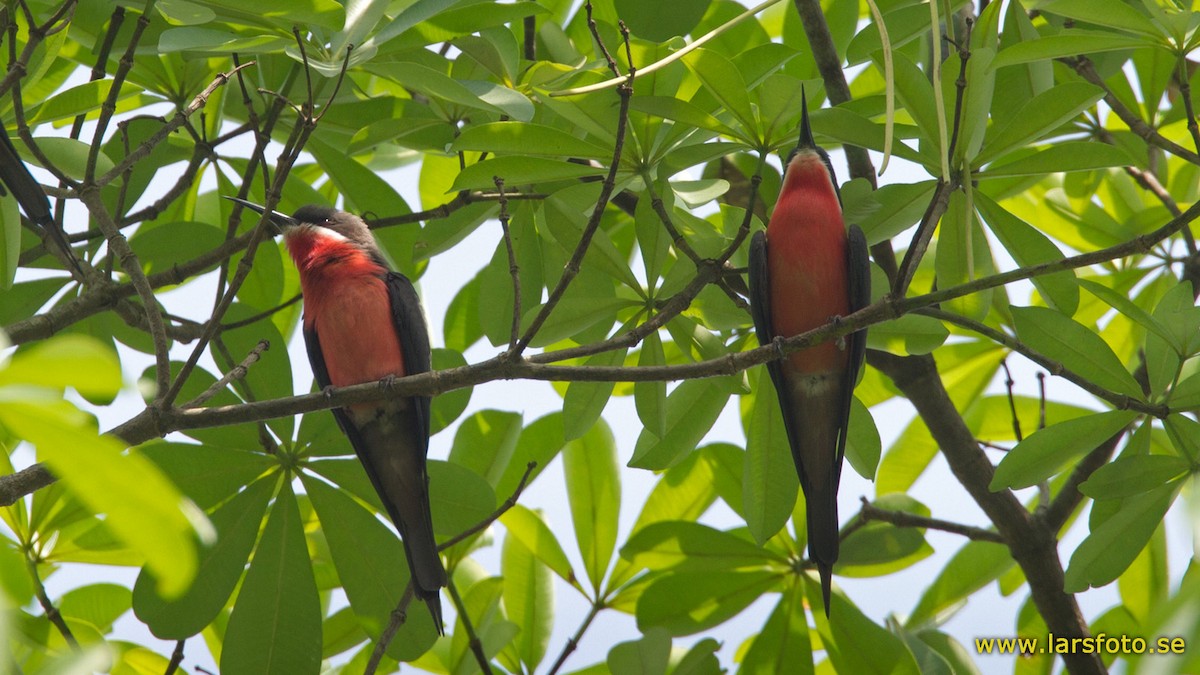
point(363, 322)
point(806, 270)
point(32, 199)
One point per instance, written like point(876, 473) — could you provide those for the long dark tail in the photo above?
point(395, 463)
point(823, 534)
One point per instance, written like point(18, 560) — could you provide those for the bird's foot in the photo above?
point(387, 382)
point(836, 320)
point(327, 390)
point(778, 344)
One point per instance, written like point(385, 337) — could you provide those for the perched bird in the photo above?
point(362, 323)
point(806, 270)
point(30, 196)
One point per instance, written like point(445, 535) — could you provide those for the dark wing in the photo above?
point(409, 321)
point(760, 310)
point(858, 271)
point(321, 374)
point(30, 196)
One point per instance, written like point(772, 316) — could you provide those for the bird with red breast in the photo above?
point(806, 270)
point(363, 322)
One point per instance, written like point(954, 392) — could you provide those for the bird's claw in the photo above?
point(836, 320)
point(327, 390)
point(778, 344)
point(387, 382)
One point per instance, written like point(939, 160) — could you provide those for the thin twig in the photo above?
point(235, 373)
point(395, 621)
point(109, 107)
point(870, 512)
point(513, 269)
point(52, 614)
point(176, 658)
point(469, 628)
point(573, 641)
point(1012, 403)
point(495, 515)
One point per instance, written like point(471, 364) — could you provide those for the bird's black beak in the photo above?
point(806, 137)
point(278, 221)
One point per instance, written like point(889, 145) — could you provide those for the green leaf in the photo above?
point(528, 599)
point(863, 446)
point(1111, 547)
point(1057, 158)
point(683, 545)
point(372, 567)
point(770, 483)
point(522, 138)
point(689, 602)
point(647, 656)
point(79, 100)
point(517, 171)
point(1109, 13)
point(963, 256)
point(650, 398)
point(1066, 44)
point(447, 406)
point(784, 645)
point(237, 522)
point(1029, 247)
point(855, 644)
point(692, 408)
point(911, 334)
point(722, 79)
point(901, 206)
point(1041, 115)
point(139, 504)
point(974, 566)
point(1043, 453)
point(659, 22)
point(594, 492)
point(680, 111)
point(214, 41)
point(458, 497)
point(1129, 308)
point(275, 626)
point(1087, 354)
point(485, 443)
point(77, 361)
point(10, 241)
point(532, 531)
point(584, 401)
point(1134, 474)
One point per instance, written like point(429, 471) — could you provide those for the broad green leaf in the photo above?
point(851, 128)
point(1043, 453)
point(98, 604)
point(533, 532)
point(446, 407)
point(1041, 115)
point(1109, 13)
point(275, 626)
point(647, 656)
point(594, 493)
point(10, 241)
point(963, 256)
point(692, 408)
point(722, 79)
point(650, 398)
point(76, 361)
point(486, 441)
point(770, 483)
point(1066, 44)
point(659, 22)
point(1129, 308)
point(207, 475)
point(911, 334)
point(974, 566)
point(525, 139)
point(863, 446)
point(683, 545)
point(1029, 247)
point(685, 603)
point(680, 111)
point(1074, 346)
point(856, 644)
point(195, 39)
point(584, 401)
point(458, 497)
point(1060, 157)
point(141, 506)
point(1111, 547)
point(1133, 474)
point(221, 564)
point(1185, 435)
point(901, 207)
point(784, 644)
point(528, 599)
point(518, 171)
point(79, 100)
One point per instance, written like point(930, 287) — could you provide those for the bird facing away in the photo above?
point(806, 270)
point(363, 323)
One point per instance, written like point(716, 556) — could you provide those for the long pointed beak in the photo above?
point(806, 137)
point(278, 220)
